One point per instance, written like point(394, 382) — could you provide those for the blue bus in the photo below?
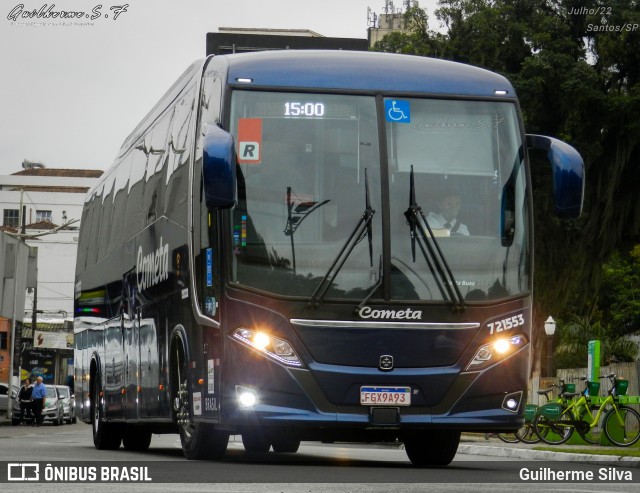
point(260, 260)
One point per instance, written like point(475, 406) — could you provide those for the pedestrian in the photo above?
point(38, 400)
point(24, 398)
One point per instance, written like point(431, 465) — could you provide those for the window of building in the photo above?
point(43, 216)
point(11, 218)
point(4, 337)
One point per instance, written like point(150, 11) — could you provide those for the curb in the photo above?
point(546, 455)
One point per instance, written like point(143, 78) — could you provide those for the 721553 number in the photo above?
point(506, 324)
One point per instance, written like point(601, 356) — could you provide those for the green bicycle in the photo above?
point(621, 424)
point(527, 432)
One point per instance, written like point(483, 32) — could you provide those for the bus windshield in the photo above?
point(310, 168)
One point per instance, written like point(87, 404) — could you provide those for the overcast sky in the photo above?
point(71, 91)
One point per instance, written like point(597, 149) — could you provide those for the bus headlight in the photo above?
point(273, 347)
point(495, 351)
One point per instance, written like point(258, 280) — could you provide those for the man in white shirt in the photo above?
point(446, 219)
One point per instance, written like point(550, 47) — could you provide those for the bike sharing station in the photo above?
point(597, 416)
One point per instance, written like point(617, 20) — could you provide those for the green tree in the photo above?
point(619, 300)
point(577, 75)
point(573, 338)
point(488, 34)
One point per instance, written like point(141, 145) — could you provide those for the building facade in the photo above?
point(390, 20)
point(43, 207)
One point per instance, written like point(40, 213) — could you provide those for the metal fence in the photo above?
point(626, 371)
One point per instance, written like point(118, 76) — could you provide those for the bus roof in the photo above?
point(366, 71)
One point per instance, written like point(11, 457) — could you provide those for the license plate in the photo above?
point(385, 396)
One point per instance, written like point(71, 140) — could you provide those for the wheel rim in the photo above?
point(180, 400)
point(186, 425)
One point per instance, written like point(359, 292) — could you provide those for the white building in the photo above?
point(50, 198)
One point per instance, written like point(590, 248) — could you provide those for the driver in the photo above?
point(446, 218)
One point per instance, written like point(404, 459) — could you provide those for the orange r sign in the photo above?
point(249, 140)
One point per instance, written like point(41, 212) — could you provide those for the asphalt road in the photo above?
point(315, 468)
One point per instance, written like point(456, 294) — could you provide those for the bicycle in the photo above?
point(621, 424)
point(526, 433)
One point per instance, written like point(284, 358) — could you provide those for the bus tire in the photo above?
point(432, 448)
point(106, 436)
point(136, 438)
point(199, 440)
point(284, 441)
point(203, 441)
point(255, 441)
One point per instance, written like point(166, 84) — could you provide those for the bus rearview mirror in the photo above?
point(568, 174)
point(219, 168)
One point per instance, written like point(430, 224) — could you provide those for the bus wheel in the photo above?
point(284, 441)
point(106, 436)
point(199, 440)
point(136, 438)
point(255, 441)
point(432, 448)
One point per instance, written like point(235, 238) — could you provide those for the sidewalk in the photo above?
point(476, 444)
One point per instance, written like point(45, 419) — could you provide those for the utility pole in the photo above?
point(13, 326)
point(15, 308)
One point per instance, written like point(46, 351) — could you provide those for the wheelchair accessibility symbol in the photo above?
point(397, 111)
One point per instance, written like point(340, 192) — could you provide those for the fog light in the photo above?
point(511, 402)
point(246, 397)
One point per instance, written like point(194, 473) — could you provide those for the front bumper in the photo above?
point(472, 401)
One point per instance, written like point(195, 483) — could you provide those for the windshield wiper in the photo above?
point(430, 249)
point(362, 227)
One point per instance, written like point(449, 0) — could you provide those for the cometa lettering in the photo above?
point(152, 268)
point(408, 314)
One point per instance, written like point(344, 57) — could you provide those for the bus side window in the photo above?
point(136, 189)
point(157, 158)
point(81, 261)
point(177, 171)
point(119, 197)
point(106, 216)
point(92, 244)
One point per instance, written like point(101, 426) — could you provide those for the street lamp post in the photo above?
point(549, 329)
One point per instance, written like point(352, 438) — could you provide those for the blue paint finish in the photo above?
point(364, 71)
point(568, 174)
point(219, 168)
